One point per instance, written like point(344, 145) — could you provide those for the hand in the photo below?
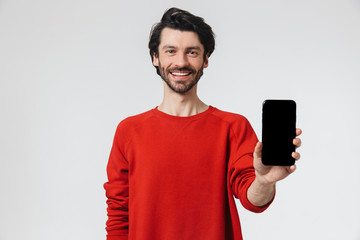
point(272, 174)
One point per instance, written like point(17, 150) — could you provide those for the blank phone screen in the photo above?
point(278, 132)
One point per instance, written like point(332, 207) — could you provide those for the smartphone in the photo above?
point(278, 132)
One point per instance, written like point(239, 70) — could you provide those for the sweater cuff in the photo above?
point(249, 206)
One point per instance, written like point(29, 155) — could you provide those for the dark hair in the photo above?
point(182, 20)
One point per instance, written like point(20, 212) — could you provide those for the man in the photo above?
point(173, 170)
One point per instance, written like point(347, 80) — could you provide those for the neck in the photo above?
point(182, 105)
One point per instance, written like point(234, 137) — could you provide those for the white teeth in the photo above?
point(180, 74)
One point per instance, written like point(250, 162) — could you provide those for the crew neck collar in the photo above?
point(159, 113)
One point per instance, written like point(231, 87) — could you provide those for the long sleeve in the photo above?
point(117, 191)
point(242, 172)
point(176, 177)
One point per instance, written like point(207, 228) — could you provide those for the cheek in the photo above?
point(198, 62)
point(163, 62)
point(199, 65)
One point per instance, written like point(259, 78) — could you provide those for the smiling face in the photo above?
point(180, 59)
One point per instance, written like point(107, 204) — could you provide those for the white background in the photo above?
point(71, 70)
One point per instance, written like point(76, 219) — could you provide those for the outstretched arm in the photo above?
point(262, 189)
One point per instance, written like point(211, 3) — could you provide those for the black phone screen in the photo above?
point(278, 132)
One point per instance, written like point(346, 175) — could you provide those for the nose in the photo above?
point(181, 60)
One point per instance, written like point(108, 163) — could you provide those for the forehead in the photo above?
point(177, 38)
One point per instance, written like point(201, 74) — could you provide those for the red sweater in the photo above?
point(174, 178)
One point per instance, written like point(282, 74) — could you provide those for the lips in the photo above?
point(180, 72)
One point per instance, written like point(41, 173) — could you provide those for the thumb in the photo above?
point(257, 151)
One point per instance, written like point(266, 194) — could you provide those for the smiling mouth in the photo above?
point(180, 73)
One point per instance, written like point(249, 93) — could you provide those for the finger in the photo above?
point(257, 151)
point(292, 168)
point(297, 142)
point(298, 132)
point(295, 155)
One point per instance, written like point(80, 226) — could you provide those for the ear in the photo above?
point(155, 60)
point(206, 61)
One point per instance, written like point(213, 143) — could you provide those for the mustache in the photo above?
point(184, 69)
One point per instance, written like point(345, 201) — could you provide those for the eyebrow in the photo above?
point(194, 48)
point(188, 48)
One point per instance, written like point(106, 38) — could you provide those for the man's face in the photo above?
point(181, 59)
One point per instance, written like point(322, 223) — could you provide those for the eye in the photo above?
point(170, 51)
point(193, 53)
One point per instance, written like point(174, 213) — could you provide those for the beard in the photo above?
point(181, 87)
